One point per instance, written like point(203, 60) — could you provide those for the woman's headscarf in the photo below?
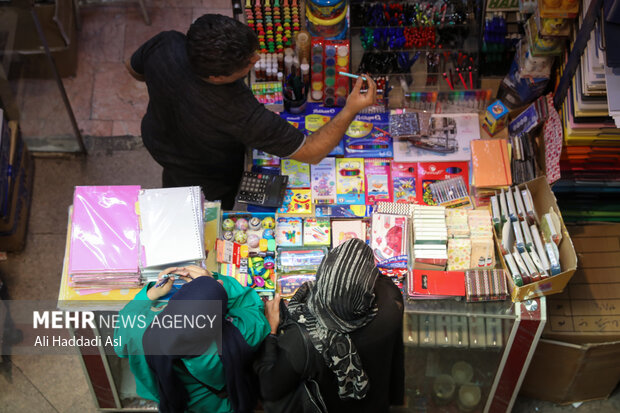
point(165, 346)
point(340, 301)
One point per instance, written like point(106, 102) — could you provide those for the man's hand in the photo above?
point(132, 72)
point(272, 313)
point(358, 100)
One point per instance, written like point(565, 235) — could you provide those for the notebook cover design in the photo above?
point(350, 181)
point(298, 173)
point(491, 163)
point(378, 180)
point(323, 181)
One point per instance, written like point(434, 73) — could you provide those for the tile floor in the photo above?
point(107, 104)
point(105, 99)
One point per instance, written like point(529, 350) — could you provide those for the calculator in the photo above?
point(262, 189)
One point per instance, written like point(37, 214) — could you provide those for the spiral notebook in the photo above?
point(172, 226)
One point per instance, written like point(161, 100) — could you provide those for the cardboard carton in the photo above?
point(543, 200)
point(579, 356)
point(13, 227)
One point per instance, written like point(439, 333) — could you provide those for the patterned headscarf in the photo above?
point(340, 301)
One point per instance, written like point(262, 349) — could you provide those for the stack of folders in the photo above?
point(172, 229)
point(430, 236)
point(104, 241)
point(590, 161)
point(529, 242)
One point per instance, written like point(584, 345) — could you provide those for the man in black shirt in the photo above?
point(201, 116)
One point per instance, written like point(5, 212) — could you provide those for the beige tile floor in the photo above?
point(107, 103)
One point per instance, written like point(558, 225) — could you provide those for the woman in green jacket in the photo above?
point(180, 368)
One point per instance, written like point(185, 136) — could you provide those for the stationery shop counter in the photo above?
point(464, 356)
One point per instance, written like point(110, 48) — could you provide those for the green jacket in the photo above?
point(247, 312)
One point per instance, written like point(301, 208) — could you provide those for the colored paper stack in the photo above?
point(104, 243)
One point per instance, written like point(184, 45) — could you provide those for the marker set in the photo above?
point(457, 101)
point(368, 137)
point(328, 58)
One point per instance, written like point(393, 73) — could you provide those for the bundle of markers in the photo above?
point(451, 193)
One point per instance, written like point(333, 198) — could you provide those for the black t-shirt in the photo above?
point(199, 127)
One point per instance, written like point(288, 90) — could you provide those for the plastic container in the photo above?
point(327, 28)
point(326, 9)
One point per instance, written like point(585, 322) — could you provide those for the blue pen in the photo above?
point(164, 280)
point(352, 76)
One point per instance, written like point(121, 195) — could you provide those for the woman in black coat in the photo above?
point(352, 316)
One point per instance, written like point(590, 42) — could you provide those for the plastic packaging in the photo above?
point(105, 230)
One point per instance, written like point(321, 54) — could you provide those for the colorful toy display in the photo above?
point(244, 245)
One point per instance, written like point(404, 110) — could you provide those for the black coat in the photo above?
point(281, 360)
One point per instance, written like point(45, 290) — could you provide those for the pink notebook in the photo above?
point(104, 230)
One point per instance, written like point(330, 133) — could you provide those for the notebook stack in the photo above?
point(104, 240)
point(172, 230)
point(430, 236)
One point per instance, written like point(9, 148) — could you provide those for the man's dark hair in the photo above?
point(219, 46)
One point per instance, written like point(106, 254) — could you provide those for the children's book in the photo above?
point(323, 181)
point(345, 230)
point(317, 231)
point(350, 181)
point(298, 173)
point(289, 232)
point(296, 201)
point(404, 177)
point(378, 180)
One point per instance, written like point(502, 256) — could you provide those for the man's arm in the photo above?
point(132, 72)
point(321, 142)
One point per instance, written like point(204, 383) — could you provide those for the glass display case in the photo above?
point(468, 357)
point(412, 48)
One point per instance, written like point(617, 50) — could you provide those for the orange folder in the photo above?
point(491, 162)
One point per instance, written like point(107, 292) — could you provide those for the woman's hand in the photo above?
point(272, 313)
point(191, 272)
point(155, 292)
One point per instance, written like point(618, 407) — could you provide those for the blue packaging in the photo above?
point(368, 137)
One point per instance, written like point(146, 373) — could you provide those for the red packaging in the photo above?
point(450, 283)
point(429, 172)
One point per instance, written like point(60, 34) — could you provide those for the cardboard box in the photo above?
point(543, 200)
point(566, 373)
point(13, 226)
point(579, 356)
point(588, 311)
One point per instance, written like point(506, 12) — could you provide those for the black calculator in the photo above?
point(262, 189)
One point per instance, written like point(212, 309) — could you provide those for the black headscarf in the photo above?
point(340, 301)
point(163, 347)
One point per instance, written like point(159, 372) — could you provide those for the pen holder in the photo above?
point(296, 106)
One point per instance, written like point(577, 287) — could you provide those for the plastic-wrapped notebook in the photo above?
point(105, 230)
point(491, 163)
point(172, 225)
